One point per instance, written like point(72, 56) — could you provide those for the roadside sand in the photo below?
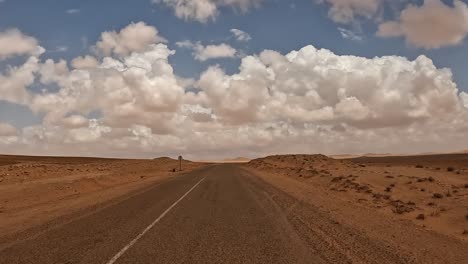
point(34, 190)
point(423, 192)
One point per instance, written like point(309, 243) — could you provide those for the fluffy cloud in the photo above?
point(204, 10)
point(75, 121)
point(318, 86)
point(8, 135)
point(84, 62)
point(138, 89)
point(134, 37)
point(464, 98)
point(240, 35)
point(309, 100)
point(7, 130)
point(16, 80)
point(13, 43)
point(346, 11)
point(432, 25)
point(203, 53)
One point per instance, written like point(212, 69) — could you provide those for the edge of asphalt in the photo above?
point(33, 232)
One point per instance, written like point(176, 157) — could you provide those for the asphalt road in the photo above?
point(219, 214)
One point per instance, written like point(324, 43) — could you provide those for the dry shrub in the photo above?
point(401, 208)
point(421, 217)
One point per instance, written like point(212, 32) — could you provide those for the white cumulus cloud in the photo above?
point(84, 62)
point(431, 25)
point(318, 86)
point(7, 130)
point(134, 37)
point(205, 10)
point(140, 88)
point(347, 11)
point(203, 53)
point(308, 100)
point(464, 98)
point(13, 43)
point(14, 83)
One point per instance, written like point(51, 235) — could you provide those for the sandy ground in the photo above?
point(420, 192)
point(34, 190)
point(415, 205)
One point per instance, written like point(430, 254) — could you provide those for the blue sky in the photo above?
point(277, 25)
point(68, 29)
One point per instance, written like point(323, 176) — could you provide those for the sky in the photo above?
point(210, 79)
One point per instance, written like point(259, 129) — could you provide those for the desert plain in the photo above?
point(415, 206)
point(35, 190)
point(428, 191)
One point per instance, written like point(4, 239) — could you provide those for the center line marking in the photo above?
point(129, 245)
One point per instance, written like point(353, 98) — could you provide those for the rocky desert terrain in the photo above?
point(405, 200)
point(35, 190)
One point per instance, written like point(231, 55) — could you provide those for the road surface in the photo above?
point(219, 214)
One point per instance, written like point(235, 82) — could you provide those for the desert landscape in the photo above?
point(430, 191)
point(35, 190)
point(394, 200)
point(313, 131)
